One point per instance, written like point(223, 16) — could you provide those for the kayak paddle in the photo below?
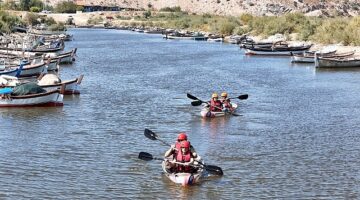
point(210, 168)
point(152, 136)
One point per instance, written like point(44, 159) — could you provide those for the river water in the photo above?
point(297, 137)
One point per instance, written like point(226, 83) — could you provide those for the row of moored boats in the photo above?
point(30, 70)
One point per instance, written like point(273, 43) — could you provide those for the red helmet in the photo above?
point(182, 136)
point(185, 144)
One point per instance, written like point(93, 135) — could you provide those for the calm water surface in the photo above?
point(297, 138)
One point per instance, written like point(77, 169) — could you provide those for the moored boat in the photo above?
point(51, 98)
point(205, 112)
point(276, 50)
point(343, 62)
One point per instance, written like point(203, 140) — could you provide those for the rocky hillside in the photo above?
point(237, 7)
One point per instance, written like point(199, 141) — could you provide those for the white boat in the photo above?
point(66, 57)
point(309, 57)
point(183, 178)
point(277, 51)
point(205, 112)
point(33, 69)
point(52, 98)
point(71, 86)
point(337, 62)
point(215, 39)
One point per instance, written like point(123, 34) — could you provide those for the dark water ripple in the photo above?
point(297, 137)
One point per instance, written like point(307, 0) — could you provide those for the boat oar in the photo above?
point(241, 97)
point(210, 168)
point(152, 136)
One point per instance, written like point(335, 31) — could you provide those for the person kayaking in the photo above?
point(215, 103)
point(176, 150)
point(226, 102)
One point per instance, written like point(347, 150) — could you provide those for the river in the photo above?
point(297, 137)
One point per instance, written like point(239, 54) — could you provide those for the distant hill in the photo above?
point(237, 7)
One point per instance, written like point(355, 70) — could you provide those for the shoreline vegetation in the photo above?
point(343, 31)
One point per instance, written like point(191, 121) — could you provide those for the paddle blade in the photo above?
point(145, 156)
point(191, 97)
point(243, 97)
point(149, 134)
point(196, 103)
point(214, 170)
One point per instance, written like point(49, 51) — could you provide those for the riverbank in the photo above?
point(294, 27)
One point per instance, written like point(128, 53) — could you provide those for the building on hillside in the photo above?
point(92, 6)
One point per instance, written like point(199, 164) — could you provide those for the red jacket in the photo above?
point(180, 157)
point(215, 106)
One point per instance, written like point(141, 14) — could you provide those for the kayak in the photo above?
point(205, 112)
point(183, 178)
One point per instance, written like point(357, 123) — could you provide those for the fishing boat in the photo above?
point(205, 111)
point(309, 56)
point(51, 98)
point(33, 69)
point(276, 50)
point(66, 57)
point(337, 62)
point(182, 177)
point(71, 86)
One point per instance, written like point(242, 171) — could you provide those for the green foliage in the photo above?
point(95, 20)
point(7, 21)
point(66, 7)
point(147, 14)
point(31, 19)
point(171, 9)
point(10, 5)
point(227, 28)
point(35, 9)
point(57, 27)
point(246, 18)
point(79, 8)
point(49, 21)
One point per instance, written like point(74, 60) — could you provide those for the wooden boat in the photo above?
point(183, 36)
point(51, 98)
point(71, 86)
point(205, 112)
point(33, 69)
point(183, 178)
point(309, 56)
point(66, 57)
point(339, 61)
point(277, 50)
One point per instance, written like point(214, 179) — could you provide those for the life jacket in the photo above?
point(226, 103)
point(215, 106)
point(180, 157)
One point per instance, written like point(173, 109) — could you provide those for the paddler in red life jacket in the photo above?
point(226, 102)
point(175, 148)
point(215, 103)
point(184, 156)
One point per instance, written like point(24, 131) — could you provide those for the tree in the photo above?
point(65, 7)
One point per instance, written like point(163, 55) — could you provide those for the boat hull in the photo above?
point(208, 114)
point(183, 178)
point(53, 98)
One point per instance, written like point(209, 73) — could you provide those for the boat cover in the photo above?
point(27, 88)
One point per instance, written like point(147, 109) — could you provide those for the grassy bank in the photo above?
point(319, 30)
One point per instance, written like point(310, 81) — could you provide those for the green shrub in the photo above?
point(57, 27)
point(227, 28)
point(35, 9)
point(171, 9)
point(32, 19)
point(66, 7)
point(246, 18)
point(95, 20)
